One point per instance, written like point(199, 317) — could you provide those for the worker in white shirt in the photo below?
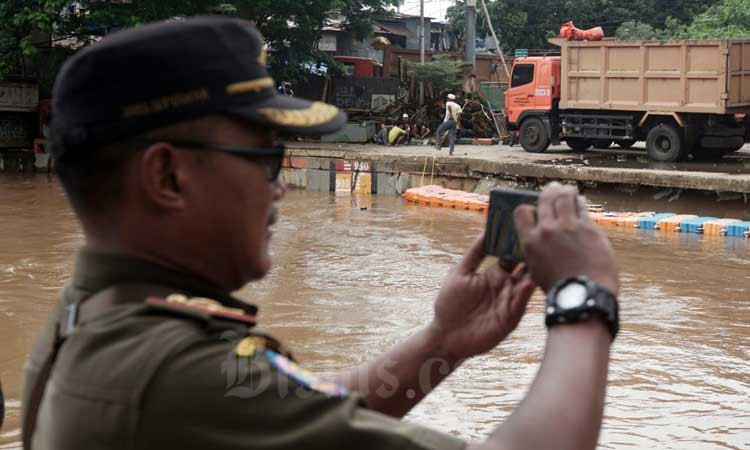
point(452, 113)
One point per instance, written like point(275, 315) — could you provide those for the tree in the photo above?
point(528, 24)
point(727, 19)
point(444, 73)
point(291, 27)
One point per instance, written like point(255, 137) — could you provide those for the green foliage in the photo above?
point(528, 24)
point(443, 72)
point(22, 23)
point(632, 30)
point(26, 25)
point(727, 19)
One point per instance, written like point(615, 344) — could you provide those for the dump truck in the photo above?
point(682, 97)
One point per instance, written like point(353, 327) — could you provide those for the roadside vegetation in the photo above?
point(527, 24)
point(36, 35)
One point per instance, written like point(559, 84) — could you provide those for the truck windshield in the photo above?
point(522, 74)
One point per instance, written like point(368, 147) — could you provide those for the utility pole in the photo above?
point(470, 53)
point(494, 36)
point(422, 33)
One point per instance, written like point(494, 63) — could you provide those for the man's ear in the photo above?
point(164, 174)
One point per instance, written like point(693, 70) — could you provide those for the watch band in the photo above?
point(599, 303)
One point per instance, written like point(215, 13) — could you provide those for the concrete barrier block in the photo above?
point(318, 180)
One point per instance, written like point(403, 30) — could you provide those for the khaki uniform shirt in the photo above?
point(164, 375)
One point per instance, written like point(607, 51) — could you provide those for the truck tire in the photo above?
point(666, 144)
point(533, 135)
point(578, 144)
point(625, 143)
point(603, 144)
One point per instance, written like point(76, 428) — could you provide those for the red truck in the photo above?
point(360, 67)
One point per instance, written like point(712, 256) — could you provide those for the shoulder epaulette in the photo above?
point(202, 305)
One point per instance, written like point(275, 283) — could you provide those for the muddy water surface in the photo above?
point(354, 277)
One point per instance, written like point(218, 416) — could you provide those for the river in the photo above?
point(354, 276)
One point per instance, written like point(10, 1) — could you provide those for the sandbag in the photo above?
point(570, 32)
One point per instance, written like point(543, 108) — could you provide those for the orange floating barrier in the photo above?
point(449, 201)
point(462, 202)
point(476, 205)
point(717, 227)
point(423, 199)
point(608, 219)
point(672, 223)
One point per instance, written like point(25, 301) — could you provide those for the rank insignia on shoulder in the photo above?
point(303, 376)
point(205, 306)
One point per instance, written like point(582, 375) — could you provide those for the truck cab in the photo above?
point(534, 87)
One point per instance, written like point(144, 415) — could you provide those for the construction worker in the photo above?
point(452, 115)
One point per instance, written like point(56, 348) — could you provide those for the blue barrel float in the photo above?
point(695, 225)
point(738, 229)
point(648, 223)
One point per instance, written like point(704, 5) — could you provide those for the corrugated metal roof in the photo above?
point(397, 29)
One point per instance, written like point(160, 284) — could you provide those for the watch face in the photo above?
point(572, 296)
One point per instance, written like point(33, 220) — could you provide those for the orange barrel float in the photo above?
point(717, 227)
point(649, 222)
point(672, 223)
point(607, 219)
point(695, 225)
point(481, 203)
point(631, 219)
point(462, 202)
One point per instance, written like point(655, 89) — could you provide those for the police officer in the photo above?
point(163, 139)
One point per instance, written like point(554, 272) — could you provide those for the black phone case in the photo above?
point(501, 238)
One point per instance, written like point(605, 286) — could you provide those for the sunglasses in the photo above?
point(270, 158)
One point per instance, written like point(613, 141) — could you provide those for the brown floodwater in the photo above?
point(354, 276)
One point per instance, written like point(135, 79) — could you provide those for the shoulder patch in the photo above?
point(203, 305)
point(303, 376)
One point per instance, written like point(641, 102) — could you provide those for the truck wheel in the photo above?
point(602, 144)
point(665, 143)
point(534, 137)
point(625, 143)
point(578, 144)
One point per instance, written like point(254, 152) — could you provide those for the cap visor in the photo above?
point(294, 115)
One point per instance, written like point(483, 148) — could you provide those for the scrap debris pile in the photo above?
point(476, 119)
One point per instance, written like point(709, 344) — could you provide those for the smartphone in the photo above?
point(501, 238)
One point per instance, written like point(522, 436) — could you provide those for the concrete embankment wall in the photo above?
point(12, 161)
point(617, 189)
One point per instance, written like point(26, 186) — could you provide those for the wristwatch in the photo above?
point(579, 298)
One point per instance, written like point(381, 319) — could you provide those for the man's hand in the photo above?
point(476, 311)
point(560, 240)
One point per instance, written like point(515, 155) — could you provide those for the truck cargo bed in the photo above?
point(687, 76)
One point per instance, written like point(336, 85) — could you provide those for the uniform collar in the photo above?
point(95, 270)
